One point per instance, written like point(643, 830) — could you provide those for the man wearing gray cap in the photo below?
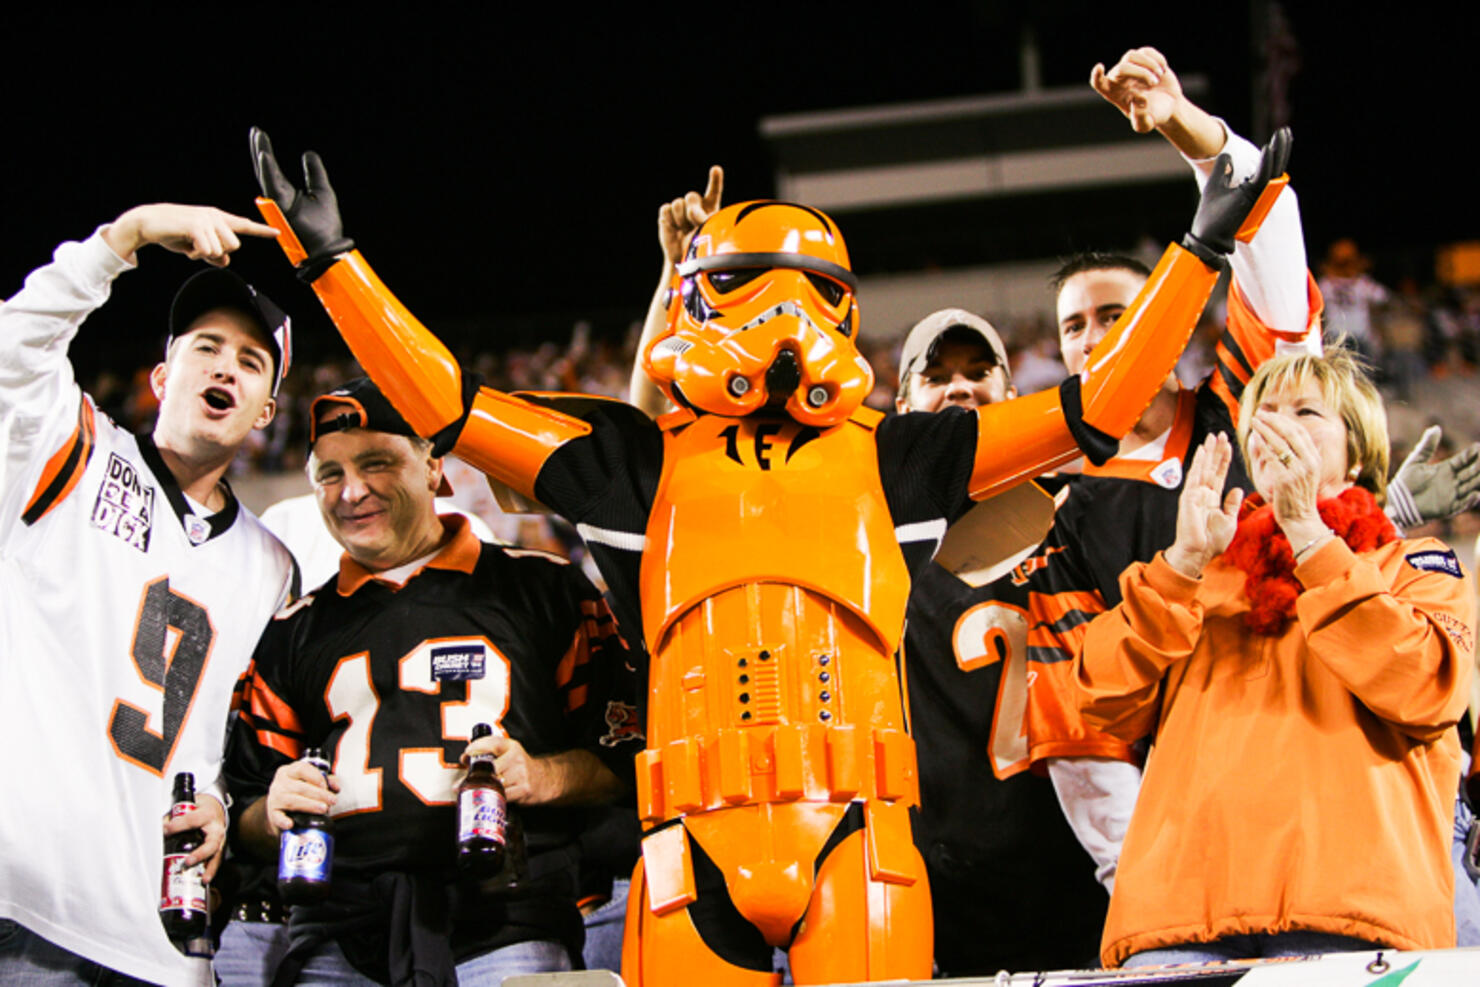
point(1011, 886)
point(953, 357)
point(132, 584)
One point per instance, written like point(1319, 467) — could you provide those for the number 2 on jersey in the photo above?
point(988, 633)
point(422, 770)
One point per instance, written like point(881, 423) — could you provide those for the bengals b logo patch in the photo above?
point(622, 724)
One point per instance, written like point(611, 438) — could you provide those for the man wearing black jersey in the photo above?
point(1011, 887)
point(425, 632)
point(1124, 511)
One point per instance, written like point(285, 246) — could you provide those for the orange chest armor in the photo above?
point(774, 594)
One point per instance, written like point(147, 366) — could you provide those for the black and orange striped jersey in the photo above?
point(1125, 511)
point(390, 681)
point(1010, 885)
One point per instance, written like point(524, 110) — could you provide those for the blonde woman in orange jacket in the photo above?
point(1300, 669)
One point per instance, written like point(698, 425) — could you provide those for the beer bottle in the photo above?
point(482, 815)
point(306, 852)
point(182, 895)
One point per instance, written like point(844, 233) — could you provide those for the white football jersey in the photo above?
point(125, 621)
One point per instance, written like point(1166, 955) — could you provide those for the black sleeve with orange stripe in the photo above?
point(265, 732)
point(597, 680)
point(1062, 600)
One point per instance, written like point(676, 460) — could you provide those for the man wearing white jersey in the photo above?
point(132, 589)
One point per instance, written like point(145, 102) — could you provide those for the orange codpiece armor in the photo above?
point(772, 582)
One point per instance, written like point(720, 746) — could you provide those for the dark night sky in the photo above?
point(503, 164)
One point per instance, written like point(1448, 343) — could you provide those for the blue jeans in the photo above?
point(327, 967)
point(249, 953)
point(604, 929)
point(26, 958)
point(1259, 945)
point(1466, 888)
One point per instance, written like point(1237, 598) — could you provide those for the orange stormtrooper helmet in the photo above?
point(762, 315)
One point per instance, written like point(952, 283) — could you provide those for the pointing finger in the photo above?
point(241, 224)
point(714, 191)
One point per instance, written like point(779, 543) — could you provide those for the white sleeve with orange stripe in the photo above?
point(41, 406)
point(1270, 270)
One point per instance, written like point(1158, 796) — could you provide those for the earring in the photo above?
point(1354, 472)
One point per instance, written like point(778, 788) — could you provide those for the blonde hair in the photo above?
point(1347, 388)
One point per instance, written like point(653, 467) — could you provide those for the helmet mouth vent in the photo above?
point(783, 376)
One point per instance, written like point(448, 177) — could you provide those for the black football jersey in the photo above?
point(1011, 886)
point(390, 681)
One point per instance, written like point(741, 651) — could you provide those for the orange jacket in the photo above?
point(1303, 781)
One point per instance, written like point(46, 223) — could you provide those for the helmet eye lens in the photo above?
point(827, 287)
point(725, 282)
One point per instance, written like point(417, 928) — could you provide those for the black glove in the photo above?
point(313, 214)
point(1224, 207)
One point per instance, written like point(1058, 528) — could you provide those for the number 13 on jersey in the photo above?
point(426, 669)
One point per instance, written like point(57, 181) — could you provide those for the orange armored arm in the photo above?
point(505, 437)
point(1019, 439)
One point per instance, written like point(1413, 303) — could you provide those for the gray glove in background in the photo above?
point(1423, 491)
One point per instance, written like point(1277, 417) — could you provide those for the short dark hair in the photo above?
point(1094, 260)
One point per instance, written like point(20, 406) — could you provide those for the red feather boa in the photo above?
point(1261, 550)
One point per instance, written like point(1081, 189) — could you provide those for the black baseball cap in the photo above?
point(359, 404)
point(220, 288)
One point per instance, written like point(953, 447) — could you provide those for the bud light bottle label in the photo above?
point(481, 815)
point(183, 888)
point(306, 855)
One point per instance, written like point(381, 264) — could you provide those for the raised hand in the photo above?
point(1206, 518)
point(312, 212)
point(677, 220)
point(1225, 207)
point(199, 232)
point(1142, 86)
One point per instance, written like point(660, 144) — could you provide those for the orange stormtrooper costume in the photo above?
point(760, 538)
